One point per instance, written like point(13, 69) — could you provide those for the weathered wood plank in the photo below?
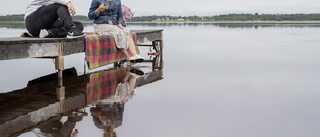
point(150, 77)
point(15, 51)
point(144, 36)
point(73, 47)
point(154, 35)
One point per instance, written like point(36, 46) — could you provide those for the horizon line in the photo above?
point(192, 15)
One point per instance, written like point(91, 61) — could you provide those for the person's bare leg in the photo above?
point(125, 77)
point(132, 83)
point(125, 53)
point(132, 47)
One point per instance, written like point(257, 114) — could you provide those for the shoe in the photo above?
point(136, 73)
point(129, 63)
point(136, 58)
point(75, 33)
point(43, 33)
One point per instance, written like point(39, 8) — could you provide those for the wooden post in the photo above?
point(154, 45)
point(161, 44)
point(61, 96)
point(59, 66)
point(161, 41)
point(161, 63)
point(161, 53)
point(60, 90)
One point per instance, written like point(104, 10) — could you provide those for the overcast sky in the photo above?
point(188, 7)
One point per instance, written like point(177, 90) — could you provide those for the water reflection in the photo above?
point(107, 117)
point(109, 87)
point(108, 91)
point(55, 128)
point(39, 109)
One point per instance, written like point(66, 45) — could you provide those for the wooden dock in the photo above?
point(22, 47)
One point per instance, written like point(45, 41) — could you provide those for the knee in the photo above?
point(61, 7)
point(79, 25)
point(127, 31)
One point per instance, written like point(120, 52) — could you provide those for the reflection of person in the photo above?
point(75, 133)
point(108, 117)
point(56, 128)
point(124, 89)
point(51, 18)
point(108, 113)
point(108, 19)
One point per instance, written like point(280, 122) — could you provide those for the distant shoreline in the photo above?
point(227, 18)
point(221, 22)
point(238, 22)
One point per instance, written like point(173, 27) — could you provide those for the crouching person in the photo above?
point(52, 19)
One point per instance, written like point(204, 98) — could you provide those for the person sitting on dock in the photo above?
point(108, 19)
point(52, 19)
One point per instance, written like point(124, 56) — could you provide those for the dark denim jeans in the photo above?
point(55, 18)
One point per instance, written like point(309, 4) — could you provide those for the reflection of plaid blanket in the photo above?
point(102, 85)
point(101, 50)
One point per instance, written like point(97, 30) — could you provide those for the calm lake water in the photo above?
point(218, 80)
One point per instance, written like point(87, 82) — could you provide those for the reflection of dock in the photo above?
point(25, 112)
point(26, 108)
point(157, 70)
point(150, 77)
point(40, 103)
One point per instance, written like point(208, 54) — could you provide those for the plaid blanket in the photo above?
point(102, 85)
point(101, 50)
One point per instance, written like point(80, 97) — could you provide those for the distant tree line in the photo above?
point(20, 17)
point(15, 17)
point(164, 18)
point(235, 17)
point(226, 17)
point(267, 17)
point(80, 18)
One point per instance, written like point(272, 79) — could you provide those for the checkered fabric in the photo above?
point(101, 50)
point(102, 85)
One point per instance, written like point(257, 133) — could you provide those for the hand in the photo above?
point(75, 133)
point(71, 9)
point(101, 8)
point(120, 26)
